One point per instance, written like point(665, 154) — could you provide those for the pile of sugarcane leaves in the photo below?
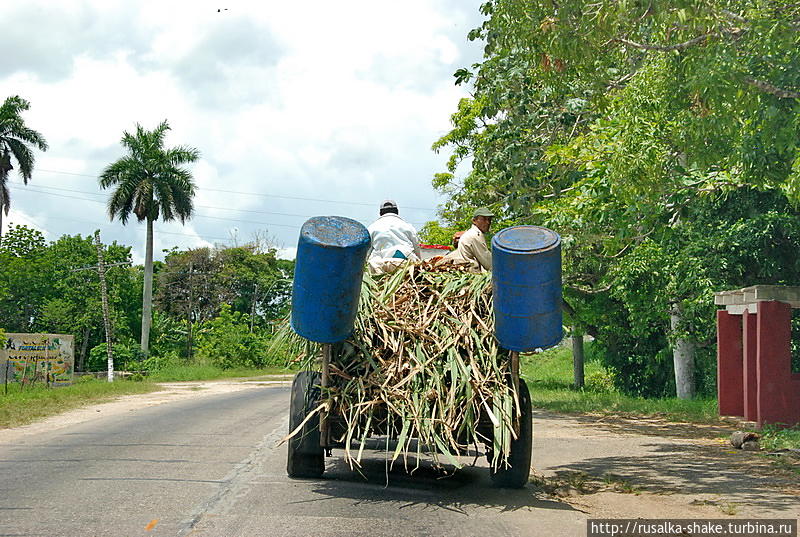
point(422, 366)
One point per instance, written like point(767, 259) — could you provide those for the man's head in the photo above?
point(388, 206)
point(482, 218)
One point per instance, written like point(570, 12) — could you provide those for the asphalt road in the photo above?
point(211, 466)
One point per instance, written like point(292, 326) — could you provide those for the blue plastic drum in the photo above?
point(327, 278)
point(526, 282)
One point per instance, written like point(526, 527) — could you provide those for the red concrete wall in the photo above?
point(778, 399)
point(730, 364)
point(750, 372)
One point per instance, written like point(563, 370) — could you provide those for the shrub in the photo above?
point(160, 361)
point(127, 355)
point(227, 342)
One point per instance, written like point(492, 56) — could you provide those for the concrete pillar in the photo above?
point(778, 397)
point(730, 364)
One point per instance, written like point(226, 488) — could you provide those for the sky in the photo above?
point(298, 109)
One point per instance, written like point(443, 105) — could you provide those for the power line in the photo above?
point(196, 215)
point(36, 188)
point(95, 224)
point(363, 203)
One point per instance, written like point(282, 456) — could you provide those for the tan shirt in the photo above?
point(472, 250)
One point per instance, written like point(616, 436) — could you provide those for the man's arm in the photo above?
point(415, 242)
point(411, 233)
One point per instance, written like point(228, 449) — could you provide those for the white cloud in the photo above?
point(315, 100)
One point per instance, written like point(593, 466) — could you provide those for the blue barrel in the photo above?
point(526, 286)
point(327, 277)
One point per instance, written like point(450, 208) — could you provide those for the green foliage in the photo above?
point(150, 182)
point(41, 292)
point(194, 284)
point(433, 233)
point(549, 377)
point(127, 357)
point(160, 362)
point(16, 143)
point(227, 341)
point(659, 140)
point(776, 438)
point(185, 372)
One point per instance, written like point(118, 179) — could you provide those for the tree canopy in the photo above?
point(660, 139)
point(17, 142)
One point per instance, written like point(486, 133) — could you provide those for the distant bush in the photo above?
point(127, 355)
point(158, 362)
point(227, 341)
point(167, 335)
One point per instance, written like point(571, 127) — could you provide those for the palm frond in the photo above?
point(182, 155)
point(24, 157)
point(164, 199)
point(30, 136)
point(16, 138)
point(13, 106)
point(118, 171)
point(149, 181)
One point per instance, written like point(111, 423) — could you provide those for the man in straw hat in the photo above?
point(472, 249)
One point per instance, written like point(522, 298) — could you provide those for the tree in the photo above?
point(25, 276)
point(40, 290)
point(641, 132)
point(196, 283)
point(150, 182)
point(16, 140)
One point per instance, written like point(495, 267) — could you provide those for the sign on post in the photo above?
point(37, 358)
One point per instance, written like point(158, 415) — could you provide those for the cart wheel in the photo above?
point(306, 457)
point(515, 475)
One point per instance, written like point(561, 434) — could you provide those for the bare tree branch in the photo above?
point(772, 90)
point(666, 48)
point(735, 16)
point(587, 291)
point(620, 82)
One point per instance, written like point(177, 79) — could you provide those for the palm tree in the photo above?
point(150, 182)
point(15, 141)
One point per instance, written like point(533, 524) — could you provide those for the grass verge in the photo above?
point(21, 407)
point(775, 439)
point(185, 372)
point(549, 377)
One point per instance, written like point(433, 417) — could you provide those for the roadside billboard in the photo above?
point(37, 358)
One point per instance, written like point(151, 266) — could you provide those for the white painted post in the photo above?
point(101, 269)
point(682, 357)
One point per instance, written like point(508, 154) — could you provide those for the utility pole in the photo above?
point(189, 342)
point(101, 270)
point(253, 310)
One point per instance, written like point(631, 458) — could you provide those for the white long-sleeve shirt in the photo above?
point(390, 233)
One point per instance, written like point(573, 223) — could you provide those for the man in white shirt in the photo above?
point(472, 249)
point(393, 241)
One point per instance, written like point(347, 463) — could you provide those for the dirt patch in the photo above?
point(169, 392)
point(622, 467)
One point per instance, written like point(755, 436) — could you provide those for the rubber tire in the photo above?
point(517, 473)
point(306, 457)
